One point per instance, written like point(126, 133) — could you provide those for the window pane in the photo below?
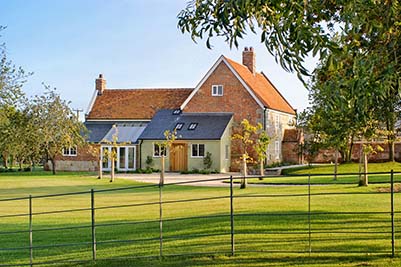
point(220, 90)
point(130, 157)
point(214, 90)
point(201, 150)
point(226, 152)
point(194, 150)
point(156, 152)
point(73, 151)
point(122, 158)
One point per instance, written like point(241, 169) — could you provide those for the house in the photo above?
point(227, 94)
point(197, 134)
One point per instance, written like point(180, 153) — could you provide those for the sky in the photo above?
point(133, 43)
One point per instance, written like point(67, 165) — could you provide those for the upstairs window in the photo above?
point(70, 151)
point(217, 90)
point(179, 126)
point(192, 126)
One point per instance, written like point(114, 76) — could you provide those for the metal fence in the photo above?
point(293, 218)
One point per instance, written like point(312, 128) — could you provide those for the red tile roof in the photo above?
point(263, 88)
point(136, 104)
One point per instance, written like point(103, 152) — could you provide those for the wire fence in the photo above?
point(177, 220)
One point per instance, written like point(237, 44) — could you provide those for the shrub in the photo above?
point(207, 160)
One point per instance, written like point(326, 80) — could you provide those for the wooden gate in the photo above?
point(178, 157)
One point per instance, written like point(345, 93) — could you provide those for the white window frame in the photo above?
point(277, 149)
point(160, 151)
point(198, 145)
point(67, 151)
point(277, 122)
point(108, 168)
point(215, 90)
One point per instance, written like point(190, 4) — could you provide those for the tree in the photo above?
point(170, 137)
point(246, 138)
point(260, 147)
point(56, 125)
point(111, 155)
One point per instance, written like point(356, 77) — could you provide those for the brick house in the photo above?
point(228, 87)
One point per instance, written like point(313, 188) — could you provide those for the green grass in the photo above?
point(264, 222)
point(344, 168)
point(323, 174)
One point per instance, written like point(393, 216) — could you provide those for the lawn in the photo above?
point(270, 222)
point(323, 174)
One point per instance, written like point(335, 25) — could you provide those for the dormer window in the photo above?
point(176, 111)
point(192, 126)
point(179, 126)
point(217, 90)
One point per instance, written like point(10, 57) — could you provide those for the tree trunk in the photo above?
point(365, 170)
point(262, 170)
point(100, 169)
point(53, 165)
point(349, 156)
point(112, 170)
point(161, 182)
point(5, 160)
point(335, 165)
point(244, 173)
point(391, 150)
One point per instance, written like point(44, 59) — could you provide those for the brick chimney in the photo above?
point(249, 59)
point(100, 84)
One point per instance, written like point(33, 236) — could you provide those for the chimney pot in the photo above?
point(249, 59)
point(100, 84)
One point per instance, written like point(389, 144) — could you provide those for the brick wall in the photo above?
point(85, 160)
point(235, 99)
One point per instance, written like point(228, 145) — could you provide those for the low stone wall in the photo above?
point(72, 165)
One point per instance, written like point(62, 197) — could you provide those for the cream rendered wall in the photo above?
point(215, 147)
point(286, 121)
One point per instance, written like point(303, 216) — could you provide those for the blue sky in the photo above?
point(134, 43)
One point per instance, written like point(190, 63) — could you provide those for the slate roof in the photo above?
point(135, 104)
point(210, 126)
point(97, 130)
point(265, 91)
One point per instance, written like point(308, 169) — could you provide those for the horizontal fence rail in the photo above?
point(235, 227)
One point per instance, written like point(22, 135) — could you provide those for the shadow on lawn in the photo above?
point(263, 234)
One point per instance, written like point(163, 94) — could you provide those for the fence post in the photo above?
point(232, 216)
point(160, 220)
point(30, 233)
point(392, 216)
point(93, 224)
point(309, 218)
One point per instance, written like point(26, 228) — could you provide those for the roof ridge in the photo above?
point(150, 88)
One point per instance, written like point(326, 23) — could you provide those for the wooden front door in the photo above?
point(178, 157)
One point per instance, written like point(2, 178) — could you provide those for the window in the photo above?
point(227, 152)
point(277, 149)
point(70, 151)
point(176, 111)
point(159, 150)
point(192, 126)
point(198, 150)
point(217, 90)
point(179, 126)
point(277, 122)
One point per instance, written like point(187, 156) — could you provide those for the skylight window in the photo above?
point(192, 126)
point(176, 111)
point(179, 126)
